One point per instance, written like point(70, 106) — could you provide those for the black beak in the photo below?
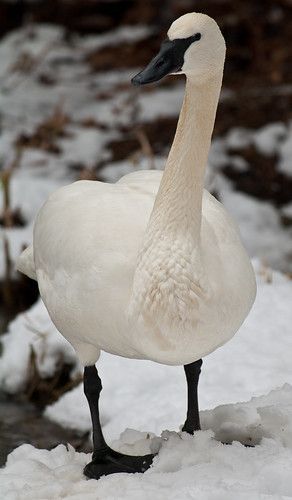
point(170, 59)
point(160, 66)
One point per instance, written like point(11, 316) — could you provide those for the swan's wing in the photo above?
point(25, 263)
point(143, 178)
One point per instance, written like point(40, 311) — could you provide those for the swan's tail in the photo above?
point(25, 263)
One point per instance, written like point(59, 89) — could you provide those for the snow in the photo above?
point(186, 467)
point(164, 102)
point(260, 227)
point(287, 210)
point(31, 190)
point(268, 138)
point(33, 41)
point(28, 189)
point(259, 221)
point(85, 146)
point(116, 37)
point(285, 164)
point(32, 330)
point(272, 139)
point(238, 137)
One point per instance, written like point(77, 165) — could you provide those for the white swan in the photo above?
point(151, 267)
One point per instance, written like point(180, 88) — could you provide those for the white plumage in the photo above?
point(169, 281)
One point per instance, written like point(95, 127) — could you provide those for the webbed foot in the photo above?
point(109, 461)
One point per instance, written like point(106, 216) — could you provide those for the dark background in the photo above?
point(258, 67)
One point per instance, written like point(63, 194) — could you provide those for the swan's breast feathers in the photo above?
point(169, 288)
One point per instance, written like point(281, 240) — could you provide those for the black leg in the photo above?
point(105, 460)
point(92, 389)
point(192, 372)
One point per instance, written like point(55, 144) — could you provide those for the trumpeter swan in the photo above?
point(151, 267)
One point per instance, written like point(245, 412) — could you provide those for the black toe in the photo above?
point(112, 462)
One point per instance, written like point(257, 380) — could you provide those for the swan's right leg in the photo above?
point(105, 460)
point(192, 372)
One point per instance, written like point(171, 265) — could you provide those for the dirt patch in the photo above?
point(47, 133)
point(262, 179)
point(159, 132)
point(23, 423)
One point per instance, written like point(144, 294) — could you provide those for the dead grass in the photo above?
point(48, 132)
point(43, 391)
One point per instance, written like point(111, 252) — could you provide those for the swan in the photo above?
point(151, 267)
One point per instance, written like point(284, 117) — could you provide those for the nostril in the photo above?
point(136, 80)
point(160, 63)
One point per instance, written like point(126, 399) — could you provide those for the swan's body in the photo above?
point(86, 241)
point(167, 281)
point(151, 267)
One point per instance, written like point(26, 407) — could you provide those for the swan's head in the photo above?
point(195, 46)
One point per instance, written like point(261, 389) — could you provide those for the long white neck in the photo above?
point(166, 274)
point(178, 205)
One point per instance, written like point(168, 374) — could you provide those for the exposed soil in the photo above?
point(261, 179)
point(17, 294)
point(24, 423)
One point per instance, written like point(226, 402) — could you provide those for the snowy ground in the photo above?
point(186, 467)
point(149, 397)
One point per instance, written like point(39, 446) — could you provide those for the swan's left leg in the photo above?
point(105, 460)
point(192, 372)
